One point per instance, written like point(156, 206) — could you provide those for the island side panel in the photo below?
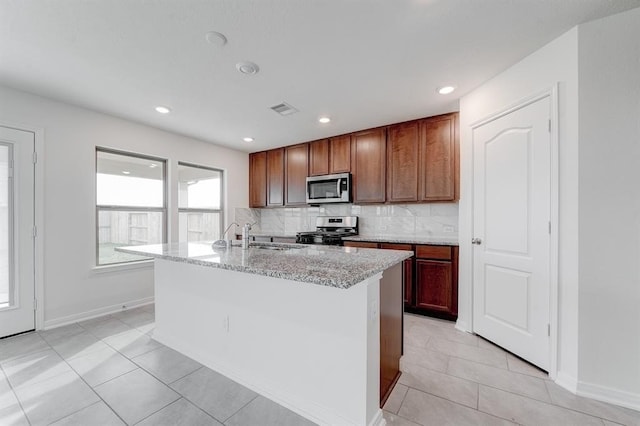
point(312, 348)
point(391, 312)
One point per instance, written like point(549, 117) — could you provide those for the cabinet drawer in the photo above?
point(388, 246)
point(361, 244)
point(433, 252)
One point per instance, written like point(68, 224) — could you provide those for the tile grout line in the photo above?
point(90, 387)
point(241, 408)
point(197, 369)
point(13, 392)
point(542, 402)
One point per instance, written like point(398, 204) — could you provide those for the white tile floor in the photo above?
point(455, 378)
point(108, 371)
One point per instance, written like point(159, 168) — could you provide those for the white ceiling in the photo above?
point(363, 62)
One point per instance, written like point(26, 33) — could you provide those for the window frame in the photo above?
point(98, 208)
point(202, 210)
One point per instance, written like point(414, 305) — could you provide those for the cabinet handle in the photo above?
point(476, 241)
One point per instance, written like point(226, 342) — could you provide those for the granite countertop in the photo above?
point(406, 239)
point(332, 266)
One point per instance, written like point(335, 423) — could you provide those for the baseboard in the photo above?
point(566, 381)
point(609, 395)
point(378, 419)
point(94, 313)
point(307, 409)
point(462, 326)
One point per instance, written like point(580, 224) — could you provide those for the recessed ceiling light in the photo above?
point(248, 68)
point(324, 120)
point(153, 165)
point(163, 109)
point(124, 172)
point(216, 38)
point(445, 90)
point(247, 139)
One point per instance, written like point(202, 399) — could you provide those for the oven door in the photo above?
point(329, 189)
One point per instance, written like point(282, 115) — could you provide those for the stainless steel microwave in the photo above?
point(329, 188)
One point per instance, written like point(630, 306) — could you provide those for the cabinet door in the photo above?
point(369, 161)
point(340, 154)
point(258, 179)
point(402, 162)
point(296, 169)
point(434, 289)
point(319, 158)
point(438, 157)
point(275, 177)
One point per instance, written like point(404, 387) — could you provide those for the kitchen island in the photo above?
point(301, 325)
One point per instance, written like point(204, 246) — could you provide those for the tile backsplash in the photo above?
point(435, 219)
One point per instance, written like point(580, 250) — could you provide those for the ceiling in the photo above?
point(364, 63)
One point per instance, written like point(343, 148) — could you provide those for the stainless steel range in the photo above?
point(330, 230)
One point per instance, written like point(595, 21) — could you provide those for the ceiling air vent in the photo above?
point(284, 109)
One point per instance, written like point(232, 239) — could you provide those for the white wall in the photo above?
point(609, 339)
point(71, 134)
point(556, 62)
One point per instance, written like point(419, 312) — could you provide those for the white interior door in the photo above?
point(512, 197)
point(17, 283)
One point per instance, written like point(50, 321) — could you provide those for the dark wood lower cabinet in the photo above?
point(430, 277)
point(433, 285)
point(436, 281)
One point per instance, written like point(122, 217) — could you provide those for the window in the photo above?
point(199, 203)
point(131, 206)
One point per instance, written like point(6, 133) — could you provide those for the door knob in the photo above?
point(476, 241)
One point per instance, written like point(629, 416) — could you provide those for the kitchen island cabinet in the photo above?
point(240, 312)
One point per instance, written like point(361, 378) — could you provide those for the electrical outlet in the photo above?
point(448, 228)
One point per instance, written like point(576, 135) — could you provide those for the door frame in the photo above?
point(38, 205)
point(552, 94)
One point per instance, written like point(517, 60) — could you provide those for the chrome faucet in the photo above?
point(222, 242)
point(245, 235)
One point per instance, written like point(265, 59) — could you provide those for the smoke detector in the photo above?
point(284, 109)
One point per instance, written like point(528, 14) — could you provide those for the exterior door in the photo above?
point(17, 283)
point(512, 199)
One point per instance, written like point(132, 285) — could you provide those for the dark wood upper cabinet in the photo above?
point(415, 161)
point(296, 168)
point(319, 157)
point(258, 179)
point(368, 165)
point(340, 154)
point(275, 177)
point(439, 157)
point(328, 156)
point(402, 162)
